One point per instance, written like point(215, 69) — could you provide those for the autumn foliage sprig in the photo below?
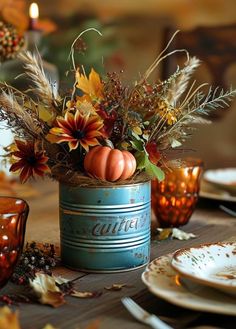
point(54, 134)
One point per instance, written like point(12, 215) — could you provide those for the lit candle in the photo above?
point(33, 14)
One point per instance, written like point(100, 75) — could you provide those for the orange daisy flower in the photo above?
point(77, 129)
point(29, 160)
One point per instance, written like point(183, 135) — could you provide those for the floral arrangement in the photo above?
point(102, 131)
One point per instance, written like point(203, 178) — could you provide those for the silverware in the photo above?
point(143, 316)
point(228, 210)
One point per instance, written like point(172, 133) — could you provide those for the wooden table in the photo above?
point(208, 223)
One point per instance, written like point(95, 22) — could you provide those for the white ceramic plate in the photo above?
point(224, 179)
point(163, 281)
point(210, 191)
point(213, 265)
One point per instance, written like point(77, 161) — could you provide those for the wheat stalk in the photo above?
point(20, 120)
point(161, 57)
point(179, 80)
point(43, 87)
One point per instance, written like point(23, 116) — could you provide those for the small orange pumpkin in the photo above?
point(109, 164)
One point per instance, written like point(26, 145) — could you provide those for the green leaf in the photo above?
point(136, 136)
point(141, 159)
point(144, 163)
point(154, 171)
point(137, 145)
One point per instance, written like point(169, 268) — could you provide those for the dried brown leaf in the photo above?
point(60, 280)
point(47, 291)
point(175, 233)
point(117, 286)
point(86, 294)
point(164, 233)
point(9, 319)
point(52, 298)
point(94, 325)
point(49, 326)
point(181, 235)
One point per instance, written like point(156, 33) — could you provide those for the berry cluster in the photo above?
point(34, 259)
point(10, 41)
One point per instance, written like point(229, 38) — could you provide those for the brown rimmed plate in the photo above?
point(164, 282)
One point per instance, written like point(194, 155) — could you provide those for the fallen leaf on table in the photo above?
point(164, 233)
point(46, 289)
point(66, 286)
point(117, 286)
point(49, 326)
point(9, 319)
point(181, 235)
point(60, 280)
point(175, 233)
point(94, 325)
point(86, 294)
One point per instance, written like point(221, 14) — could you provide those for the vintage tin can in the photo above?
point(105, 229)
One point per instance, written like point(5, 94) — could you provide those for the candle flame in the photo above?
point(34, 10)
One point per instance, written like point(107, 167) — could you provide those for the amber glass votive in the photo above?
point(13, 216)
point(175, 198)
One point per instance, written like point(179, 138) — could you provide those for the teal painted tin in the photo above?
point(105, 229)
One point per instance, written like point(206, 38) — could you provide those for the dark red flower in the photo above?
point(108, 121)
point(154, 154)
point(29, 160)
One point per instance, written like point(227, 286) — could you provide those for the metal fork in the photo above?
point(228, 210)
point(142, 315)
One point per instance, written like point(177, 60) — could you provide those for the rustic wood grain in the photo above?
point(208, 223)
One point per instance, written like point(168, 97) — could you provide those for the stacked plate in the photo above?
point(219, 184)
point(200, 278)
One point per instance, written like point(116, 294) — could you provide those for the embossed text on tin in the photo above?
point(124, 225)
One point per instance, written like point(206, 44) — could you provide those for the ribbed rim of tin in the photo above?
point(107, 248)
point(106, 186)
point(116, 270)
point(110, 241)
point(72, 209)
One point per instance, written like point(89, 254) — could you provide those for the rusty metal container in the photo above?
point(105, 229)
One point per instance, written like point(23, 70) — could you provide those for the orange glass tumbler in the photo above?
point(13, 216)
point(174, 199)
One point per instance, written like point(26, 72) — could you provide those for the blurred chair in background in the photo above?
point(215, 46)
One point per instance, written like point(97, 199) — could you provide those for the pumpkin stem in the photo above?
point(109, 143)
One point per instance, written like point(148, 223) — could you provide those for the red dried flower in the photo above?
point(108, 121)
point(29, 160)
point(154, 154)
